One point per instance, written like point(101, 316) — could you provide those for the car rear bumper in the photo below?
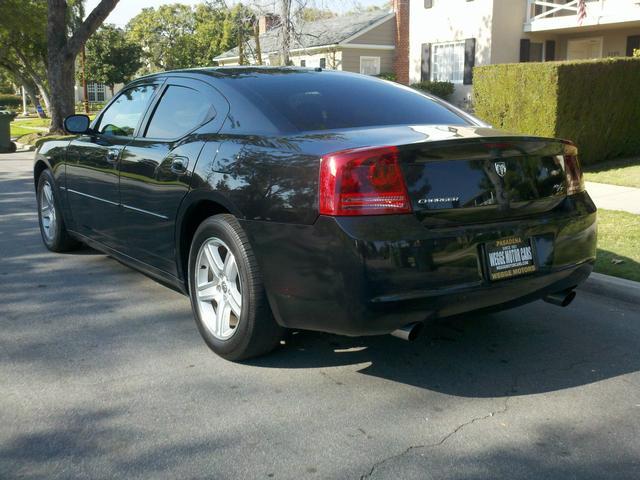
point(372, 275)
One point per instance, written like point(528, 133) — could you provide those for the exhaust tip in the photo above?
point(409, 332)
point(561, 299)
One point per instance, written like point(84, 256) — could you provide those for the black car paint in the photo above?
point(346, 275)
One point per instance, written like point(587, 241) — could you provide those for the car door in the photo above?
point(93, 161)
point(155, 170)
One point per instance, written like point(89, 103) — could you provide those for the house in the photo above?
point(447, 38)
point(363, 43)
point(96, 92)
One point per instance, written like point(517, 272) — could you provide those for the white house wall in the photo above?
point(449, 21)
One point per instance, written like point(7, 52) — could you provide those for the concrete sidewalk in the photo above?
point(614, 197)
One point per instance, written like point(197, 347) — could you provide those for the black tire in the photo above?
point(56, 239)
point(256, 332)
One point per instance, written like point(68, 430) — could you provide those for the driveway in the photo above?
point(103, 375)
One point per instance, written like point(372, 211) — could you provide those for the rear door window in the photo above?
point(180, 110)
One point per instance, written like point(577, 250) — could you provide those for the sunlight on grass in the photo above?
point(619, 244)
point(618, 172)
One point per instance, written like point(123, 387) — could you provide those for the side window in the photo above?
point(181, 109)
point(123, 115)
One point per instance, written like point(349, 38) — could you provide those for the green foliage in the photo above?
point(443, 90)
point(391, 76)
point(110, 57)
point(636, 52)
point(589, 102)
point(311, 14)
point(181, 36)
point(10, 101)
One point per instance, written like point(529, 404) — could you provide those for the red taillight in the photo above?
point(364, 181)
point(572, 170)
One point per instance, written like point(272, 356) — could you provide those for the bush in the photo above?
point(10, 101)
point(589, 102)
point(443, 90)
point(388, 76)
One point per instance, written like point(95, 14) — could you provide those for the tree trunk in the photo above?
point(44, 93)
point(285, 35)
point(61, 54)
point(61, 83)
point(256, 36)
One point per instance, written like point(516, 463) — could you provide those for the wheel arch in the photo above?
point(196, 208)
point(39, 167)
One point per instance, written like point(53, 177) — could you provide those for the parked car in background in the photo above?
point(290, 198)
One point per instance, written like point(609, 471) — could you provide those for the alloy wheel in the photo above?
point(219, 288)
point(48, 211)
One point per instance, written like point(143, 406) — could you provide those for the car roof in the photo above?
point(237, 72)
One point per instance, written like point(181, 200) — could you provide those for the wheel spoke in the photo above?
point(208, 291)
point(235, 301)
point(230, 267)
point(222, 318)
point(212, 254)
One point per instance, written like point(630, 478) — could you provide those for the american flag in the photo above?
point(582, 11)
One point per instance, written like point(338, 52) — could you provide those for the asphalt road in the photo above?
point(103, 375)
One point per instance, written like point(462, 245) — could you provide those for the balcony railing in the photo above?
point(559, 14)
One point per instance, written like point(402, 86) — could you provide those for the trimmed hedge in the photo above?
point(10, 101)
point(595, 103)
point(440, 89)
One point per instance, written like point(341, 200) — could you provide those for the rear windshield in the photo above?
point(309, 101)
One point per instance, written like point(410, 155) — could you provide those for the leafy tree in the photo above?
point(65, 38)
point(181, 36)
point(23, 45)
point(110, 57)
point(165, 35)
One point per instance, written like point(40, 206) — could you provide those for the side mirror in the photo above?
point(77, 124)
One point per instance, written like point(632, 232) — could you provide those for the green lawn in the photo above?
point(618, 172)
point(17, 131)
point(619, 244)
point(32, 126)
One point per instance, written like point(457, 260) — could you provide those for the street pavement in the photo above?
point(103, 375)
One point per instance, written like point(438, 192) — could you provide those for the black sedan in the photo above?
point(284, 198)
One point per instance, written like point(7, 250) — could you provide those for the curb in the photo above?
point(23, 147)
point(612, 287)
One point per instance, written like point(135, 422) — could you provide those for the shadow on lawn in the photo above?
point(611, 263)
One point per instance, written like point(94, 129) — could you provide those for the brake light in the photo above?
point(572, 170)
point(364, 181)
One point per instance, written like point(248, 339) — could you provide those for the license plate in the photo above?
point(510, 257)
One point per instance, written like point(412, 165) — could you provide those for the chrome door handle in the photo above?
point(112, 155)
point(179, 165)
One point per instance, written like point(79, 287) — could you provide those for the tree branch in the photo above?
point(89, 26)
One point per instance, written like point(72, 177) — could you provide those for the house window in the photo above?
point(447, 62)
point(323, 63)
point(584, 48)
point(303, 63)
point(370, 65)
point(95, 92)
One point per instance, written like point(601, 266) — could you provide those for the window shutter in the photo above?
point(633, 43)
point(549, 51)
point(525, 50)
point(469, 60)
point(425, 75)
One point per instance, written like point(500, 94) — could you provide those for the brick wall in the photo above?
point(401, 61)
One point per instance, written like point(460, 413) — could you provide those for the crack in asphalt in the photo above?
point(503, 410)
point(443, 440)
